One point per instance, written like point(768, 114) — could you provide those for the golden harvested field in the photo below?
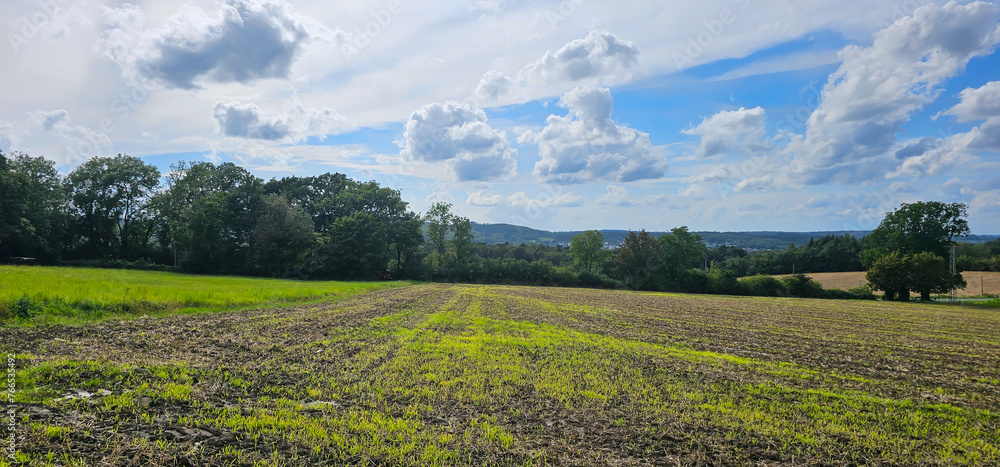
point(487, 375)
point(846, 280)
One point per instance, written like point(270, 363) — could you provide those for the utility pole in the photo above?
point(953, 293)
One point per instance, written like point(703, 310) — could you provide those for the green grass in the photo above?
point(48, 295)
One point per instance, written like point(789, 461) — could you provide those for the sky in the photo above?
point(559, 115)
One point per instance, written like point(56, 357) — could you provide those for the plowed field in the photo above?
point(457, 375)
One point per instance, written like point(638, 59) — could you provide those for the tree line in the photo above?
point(204, 218)
point(220, 219)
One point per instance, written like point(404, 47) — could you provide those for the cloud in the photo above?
point(986, 202)
point(562, 200)
point(52, 118)
point(587, 145)
point(247, 121)
point(80, 142)
point(735, 130)
point(295, 123)
point(877, 88)
point(599, 58)
point(489, 6)
point(493, 86)
point(458, 134)
point(480, 198)
point(978, 104)
point(933, 159)
point(616, 196)
point(565, 200)
point(986, 136)
point(248, 40)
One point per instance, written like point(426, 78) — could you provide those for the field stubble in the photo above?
point(447, 375)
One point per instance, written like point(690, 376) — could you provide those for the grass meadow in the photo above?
point(37, 295)
point(439, 374)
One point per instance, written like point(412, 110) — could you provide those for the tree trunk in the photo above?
point(904, 295)
point(925, 295)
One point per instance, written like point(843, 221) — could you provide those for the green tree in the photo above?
point(890, 274)
point(438, 219)
point(637, 259)
point(211, 211)
point(915, 228)
point(588, 251)
point(461, 240)
point(929, 273)
point(10, 207)
point(680, 251)
point(405, 238)
point(355, 247)
point(110, 196)
point(282, 237)
point(38, 209)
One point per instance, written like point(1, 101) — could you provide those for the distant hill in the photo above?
point(516, 235)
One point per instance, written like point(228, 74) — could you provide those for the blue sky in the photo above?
point(561, 115)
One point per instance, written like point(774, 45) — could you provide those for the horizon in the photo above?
point(725, 116)
point(974, 234)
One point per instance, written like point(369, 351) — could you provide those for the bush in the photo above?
point(763, 286)
point(25, 307)
point(801, 285)
point(693, 281)
point(723, 282)
point(862, 292)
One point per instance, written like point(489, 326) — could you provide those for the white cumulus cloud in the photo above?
point(587, 145)
point(979, 103)
point(480, 198)
point(459, 135)
point(599, 58)
point(734, 130)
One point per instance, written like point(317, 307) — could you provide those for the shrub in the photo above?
point(801, 285)
point(723, 282)
point(763, 286)
point(862, 292)
point(693, 281)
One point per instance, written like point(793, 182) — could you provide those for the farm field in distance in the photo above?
point(73, 295)
point(441, 374)
point(847, 280)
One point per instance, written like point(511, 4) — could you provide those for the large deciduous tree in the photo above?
point(461, 239)
point(281, 238)
point(929, 273)
point(915, 228)
point(905, 253)
point(438, 219)
point(680, 251)
point(588, 251)
point(35, 205)
point(637, 259)
point(110, 196)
